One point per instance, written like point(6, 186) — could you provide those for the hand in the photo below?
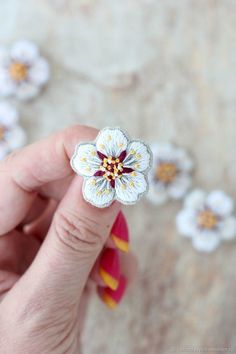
point(50, 245)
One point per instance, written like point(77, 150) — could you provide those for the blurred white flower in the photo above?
point(114, 168)
point(207, 219)
point(12, 136)
point(170, 176)
point(22, 71)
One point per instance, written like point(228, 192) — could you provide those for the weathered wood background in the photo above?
point(164, 70)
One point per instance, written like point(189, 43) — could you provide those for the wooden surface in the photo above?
point(163, 70)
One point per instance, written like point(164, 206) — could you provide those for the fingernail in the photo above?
point(120, 233)
point(109, 268)
point(113, 297)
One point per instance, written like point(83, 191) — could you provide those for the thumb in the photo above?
point(61, 268)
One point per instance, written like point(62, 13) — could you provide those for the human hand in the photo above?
point(50, 246)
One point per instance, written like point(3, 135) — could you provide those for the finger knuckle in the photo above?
point(79, 233)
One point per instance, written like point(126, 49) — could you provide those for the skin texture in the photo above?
point(50, 244)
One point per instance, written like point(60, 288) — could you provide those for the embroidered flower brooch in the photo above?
point(23, 71)
point(12, 136)
point(207, 219)
point(170, 175)
point(114, 168)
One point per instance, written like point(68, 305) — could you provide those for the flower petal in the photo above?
point(7, 85)
point(178, 188)
point(138, 156)
point(163, 151)
point(24, 51)
point(8, 114)
point(85, 160)
point(220, 203)
point(228, 228)
point(183, 160)
point(111, 142)
point(206, 243)
point(98, 191)
point(157, 193)
point(129, 187)
point(39, 72)
point(195, 199)
point(15, 138)
point(26, 91)
point(186, 222)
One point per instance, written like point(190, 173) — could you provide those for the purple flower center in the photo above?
point(112, 167)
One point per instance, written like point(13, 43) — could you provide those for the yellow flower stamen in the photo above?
point(207, 219)
point(166, 172)
point(2, 132)
point(18, 71)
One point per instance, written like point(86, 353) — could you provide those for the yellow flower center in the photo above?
point(166, 172)
point(2, 132)
point(18, 71)
point(112, 167)
point(207, 219)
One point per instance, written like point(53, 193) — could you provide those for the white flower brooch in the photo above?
point(207, 219)
point(12, 136)
point(114, 168)
point(170, 175)
point(23, 71)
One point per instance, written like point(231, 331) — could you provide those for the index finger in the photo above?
point(23, 172)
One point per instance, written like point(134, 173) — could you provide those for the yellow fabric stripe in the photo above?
point(121, 244)
point(109, 301)
point(111, 282)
